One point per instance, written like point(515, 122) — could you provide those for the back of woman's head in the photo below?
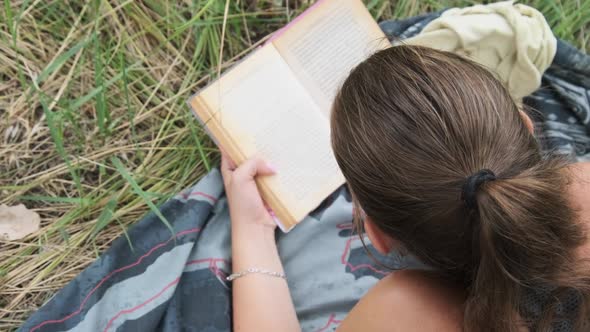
point(409, 126)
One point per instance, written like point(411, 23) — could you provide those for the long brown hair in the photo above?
point(409, 126)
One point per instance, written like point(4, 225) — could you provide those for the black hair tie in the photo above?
point(469, 192)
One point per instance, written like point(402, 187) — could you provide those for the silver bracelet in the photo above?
point(234, 276)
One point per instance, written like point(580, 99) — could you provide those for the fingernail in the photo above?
point(272, 167)
point(269, 210)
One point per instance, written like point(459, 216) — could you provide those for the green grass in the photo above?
point(94, 129)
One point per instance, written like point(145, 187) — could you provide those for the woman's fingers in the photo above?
point(230, 162)
point(226, 169)
point(252, 167)
point(246, 172)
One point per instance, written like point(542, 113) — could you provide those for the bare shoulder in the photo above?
point(408, 300)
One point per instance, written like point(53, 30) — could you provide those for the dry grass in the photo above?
point(93, 123)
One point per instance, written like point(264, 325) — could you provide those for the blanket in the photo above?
point(174, 282)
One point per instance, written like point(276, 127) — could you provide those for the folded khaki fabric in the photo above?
point(512, 40)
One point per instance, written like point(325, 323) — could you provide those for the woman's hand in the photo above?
point(260, 302)
point(247, 210)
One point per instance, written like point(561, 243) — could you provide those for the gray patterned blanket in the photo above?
point(176, 283)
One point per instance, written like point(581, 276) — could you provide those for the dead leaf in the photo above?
point(17, 222)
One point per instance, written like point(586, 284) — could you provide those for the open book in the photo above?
point(276, 103)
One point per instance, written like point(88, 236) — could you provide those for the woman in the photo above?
point(444, 164)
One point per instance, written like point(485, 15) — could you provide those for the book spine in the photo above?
point(201, 122)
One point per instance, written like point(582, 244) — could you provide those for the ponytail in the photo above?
point(526, 239)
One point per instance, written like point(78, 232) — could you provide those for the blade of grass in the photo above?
point(76, 104)
point(222, 42)
point(81, 201)
point(194, 19)
point(102, 114)
point(12, 28)
point(130, 113)
point(197, 140)
point(9, 18)
point(126, 234)
point(57, 136)
point(105, 217)
point(137, 189)
point(65, 236)
point(60, 61)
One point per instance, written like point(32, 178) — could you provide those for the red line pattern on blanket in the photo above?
point(199, 193)
point(345, 225)
point(331, 320)
point(128, 311)
point(212, 265)
point(107, 277)
point(346, 253)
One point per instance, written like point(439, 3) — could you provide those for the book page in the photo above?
point(261, 108)
point(326, 43)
